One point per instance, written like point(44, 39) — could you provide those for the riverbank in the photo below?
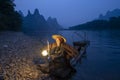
point(17, 55)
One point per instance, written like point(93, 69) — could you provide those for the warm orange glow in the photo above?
point(44, 53)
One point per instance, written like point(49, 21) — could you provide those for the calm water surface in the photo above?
point(103, 55)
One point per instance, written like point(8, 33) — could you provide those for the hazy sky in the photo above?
point(68, 12)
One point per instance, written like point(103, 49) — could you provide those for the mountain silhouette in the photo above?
point(110, 21)
point(53, 23)
point(109, 14)
point(36, 23)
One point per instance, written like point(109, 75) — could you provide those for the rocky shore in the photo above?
point(17, 55)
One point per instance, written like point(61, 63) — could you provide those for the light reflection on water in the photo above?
point(103, 55)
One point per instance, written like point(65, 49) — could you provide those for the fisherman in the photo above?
point(60, 41)
point(61, 53)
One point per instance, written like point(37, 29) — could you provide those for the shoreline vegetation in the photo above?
point(18, 54)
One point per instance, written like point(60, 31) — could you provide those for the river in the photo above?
point(102, 61)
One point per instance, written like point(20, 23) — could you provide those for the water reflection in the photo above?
point(103, 55)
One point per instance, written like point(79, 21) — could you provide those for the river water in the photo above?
point(102, 61)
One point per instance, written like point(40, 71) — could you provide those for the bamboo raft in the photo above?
point(81, 43)
point(82, 46)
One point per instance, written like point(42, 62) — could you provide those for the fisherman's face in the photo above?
point(58, 41)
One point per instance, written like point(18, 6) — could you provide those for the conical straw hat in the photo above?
point(58, 36)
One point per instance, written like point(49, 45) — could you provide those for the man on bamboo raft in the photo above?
point(61, 53)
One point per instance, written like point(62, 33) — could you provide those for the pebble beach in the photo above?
point(17, 55)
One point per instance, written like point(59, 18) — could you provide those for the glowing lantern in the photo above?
point(44, 53)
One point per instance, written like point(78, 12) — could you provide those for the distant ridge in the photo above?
point(109, 14)
point(110, 21)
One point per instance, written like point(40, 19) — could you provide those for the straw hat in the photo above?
point(58, 36)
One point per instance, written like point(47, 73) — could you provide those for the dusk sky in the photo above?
point(68, 12)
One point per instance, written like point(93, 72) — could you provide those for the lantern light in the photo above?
point(44, 53)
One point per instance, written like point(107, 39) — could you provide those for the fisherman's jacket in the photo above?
point(70, 51)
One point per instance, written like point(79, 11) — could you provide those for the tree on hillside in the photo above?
point(9, 18)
